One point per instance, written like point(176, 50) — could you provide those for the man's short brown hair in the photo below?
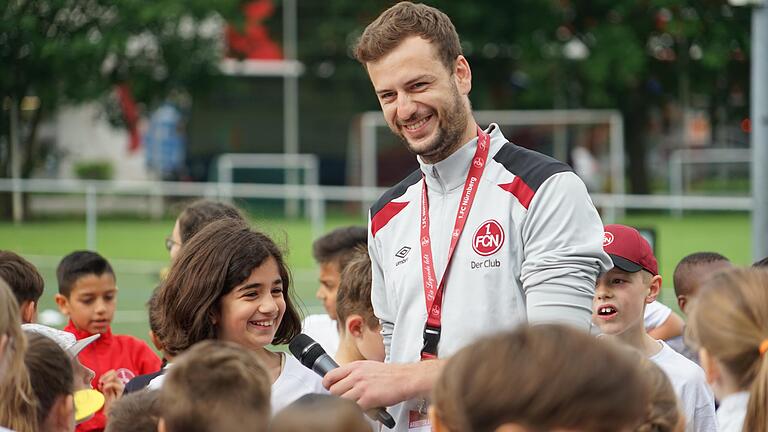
point(215, 386)
point(23, 278)
point(402, 21)
point(354, 296)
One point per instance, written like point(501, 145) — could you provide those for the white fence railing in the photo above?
point(316, 196)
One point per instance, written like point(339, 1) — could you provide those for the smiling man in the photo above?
point(484, 236)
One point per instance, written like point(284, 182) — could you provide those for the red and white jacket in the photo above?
point(531, 250)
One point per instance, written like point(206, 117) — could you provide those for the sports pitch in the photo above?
point(135, 248)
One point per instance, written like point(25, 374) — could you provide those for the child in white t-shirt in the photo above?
point(332, 252)
point(728, 322)
point(620, 298)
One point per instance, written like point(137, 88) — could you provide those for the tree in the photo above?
point(641, 54)
point(70, 51)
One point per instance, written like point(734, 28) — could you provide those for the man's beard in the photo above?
point(451, 127)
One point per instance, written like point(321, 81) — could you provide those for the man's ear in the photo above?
point(654, 288)
point(29, 311)
point(354, 325)
point(63, 304)
point(463, 75)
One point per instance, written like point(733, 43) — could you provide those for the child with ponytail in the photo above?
point(729, 324)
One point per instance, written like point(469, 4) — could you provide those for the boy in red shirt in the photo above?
point(88, 295)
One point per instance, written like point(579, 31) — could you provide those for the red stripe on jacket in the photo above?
point(520, 190)
point(380, 219)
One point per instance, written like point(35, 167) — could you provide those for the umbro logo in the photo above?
point(401, 255)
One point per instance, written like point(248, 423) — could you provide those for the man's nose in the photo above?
point(406, 107)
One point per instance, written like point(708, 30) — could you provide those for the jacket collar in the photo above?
point(451, 172)
point(81, 334)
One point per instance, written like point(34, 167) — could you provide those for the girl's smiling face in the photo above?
point(251, 313)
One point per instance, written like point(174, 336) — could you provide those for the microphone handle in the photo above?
point(325, 364)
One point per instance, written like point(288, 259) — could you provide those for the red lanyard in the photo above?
point(433, 293)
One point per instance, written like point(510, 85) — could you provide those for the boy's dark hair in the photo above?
point(202, 212)
point(354, 296)
point(23, 278)
point(216, 386)
point(220, 257)
point(761, 263)
point(78, 264)
point(679, 278)
point(339, 245)
point(50, 372)
point(402, 21)
point(135, 412)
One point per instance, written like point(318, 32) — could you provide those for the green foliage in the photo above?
point(94, 170)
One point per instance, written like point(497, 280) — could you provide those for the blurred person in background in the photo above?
point(195, 217)
point(320, 413)
point(728, 323)
point(528, 248)
point(332, 252)
point(25, 282)
point(17, 407)
point(690, 275)
point(542, 378)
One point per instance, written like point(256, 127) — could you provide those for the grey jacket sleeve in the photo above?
point(381, 304)
point(563, 252)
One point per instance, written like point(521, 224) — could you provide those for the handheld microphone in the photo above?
point(313, 356)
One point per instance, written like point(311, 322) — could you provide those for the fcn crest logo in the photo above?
point(488, 238)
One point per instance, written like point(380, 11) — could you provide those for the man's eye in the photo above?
point(419, 85)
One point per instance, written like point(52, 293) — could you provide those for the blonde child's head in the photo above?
point(546, 377)
point(17, 407)
point(729, 324)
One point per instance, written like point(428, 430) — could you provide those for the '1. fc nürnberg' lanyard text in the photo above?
point(433, 291)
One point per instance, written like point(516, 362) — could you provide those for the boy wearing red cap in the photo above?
point(617, 309)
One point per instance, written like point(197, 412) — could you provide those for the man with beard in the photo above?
point(483, 237)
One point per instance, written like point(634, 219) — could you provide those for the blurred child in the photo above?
point(137, 412)
point(320, 413)
point(359, 329)
point(17, 408)
point(663, 413)
point(620, 298)
point(193, 218)
point(690, 273)
point(50, 372)
point(215, 386)
point(25, 282)
point(143, 381)
point(661, 322)
point(88, 295)
point(332, 252)
point(728, 321)
point(73, 347)
point(231, 283)
point(542, 378)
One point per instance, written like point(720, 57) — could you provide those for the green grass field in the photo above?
point(135, 248)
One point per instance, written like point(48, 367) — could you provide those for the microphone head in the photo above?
point(305, 349)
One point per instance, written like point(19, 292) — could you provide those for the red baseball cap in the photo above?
point(628, 249)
